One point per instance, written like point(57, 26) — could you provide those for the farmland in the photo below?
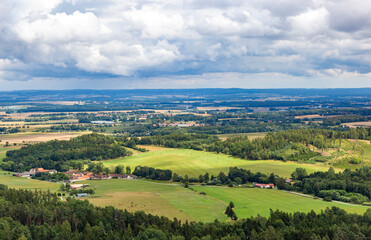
point(194, 163)
point(32, 137)
point(253, 201)
point(169, 200)
point(25, 183)
point(173, 200)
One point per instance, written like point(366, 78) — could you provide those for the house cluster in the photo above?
point(178, 124)
point(33, 172)
point(263, 185)
point(75, 176)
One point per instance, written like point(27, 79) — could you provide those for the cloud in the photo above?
point(137, 40)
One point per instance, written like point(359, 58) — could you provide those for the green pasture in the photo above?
point(170, 200)
point(194, 163)
point(253, 201)
point(20, 182)
point(2, 156)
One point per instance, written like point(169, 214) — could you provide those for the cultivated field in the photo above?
point(309, 116)
point(253, 201)
point(194, 163)
point(357, 124)
point(32, 137)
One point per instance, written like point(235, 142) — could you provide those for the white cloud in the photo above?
point(161, 37)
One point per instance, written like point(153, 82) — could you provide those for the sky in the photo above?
point(111, 44)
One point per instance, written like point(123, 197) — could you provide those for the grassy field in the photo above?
point(252, 201)
point(2, 156)
point(3, 151)
point(170, 200)
point(194, 163)
point(25, 183)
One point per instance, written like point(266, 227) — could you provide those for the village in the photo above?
point(75, 175)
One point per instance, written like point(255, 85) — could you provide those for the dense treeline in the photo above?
point(5, 130)
point(179, 140)
point(40, 215)
point(71, 127)
point(332, 121)
point(152, 173)
point(347, 186)
point(60, 155)
point(55, 177)
point(235, 176)
point(293, 145)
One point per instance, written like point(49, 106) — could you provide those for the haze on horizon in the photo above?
point(91, 44)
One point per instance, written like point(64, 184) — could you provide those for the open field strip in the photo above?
point(25, 183)
point(253, 201)
point(170, 200)
point(3, 151)
point(2, 156)
point(38, 136)
point(194, 163)
point(357, 124)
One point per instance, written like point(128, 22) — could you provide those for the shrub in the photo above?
point(327, 199)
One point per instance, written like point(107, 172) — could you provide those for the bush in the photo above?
point(202, 193)
point(327, 199)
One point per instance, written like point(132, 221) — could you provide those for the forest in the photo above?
point(41, 215)
point(61, 155)
point(289, 145)
point(346, 186)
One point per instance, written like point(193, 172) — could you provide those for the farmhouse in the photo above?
point(262, 185)
point(72, 172)
point(123, 176)
point(82, 195)
point(100, 177)
point(33, 172)
point(24, 174)
point(80, 176)
point(77, 186)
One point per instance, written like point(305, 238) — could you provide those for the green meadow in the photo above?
point(194, 163)
point(170, 200)
point(173, 200)
point(2, 156)
point(253, 201)
point(25, 183)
